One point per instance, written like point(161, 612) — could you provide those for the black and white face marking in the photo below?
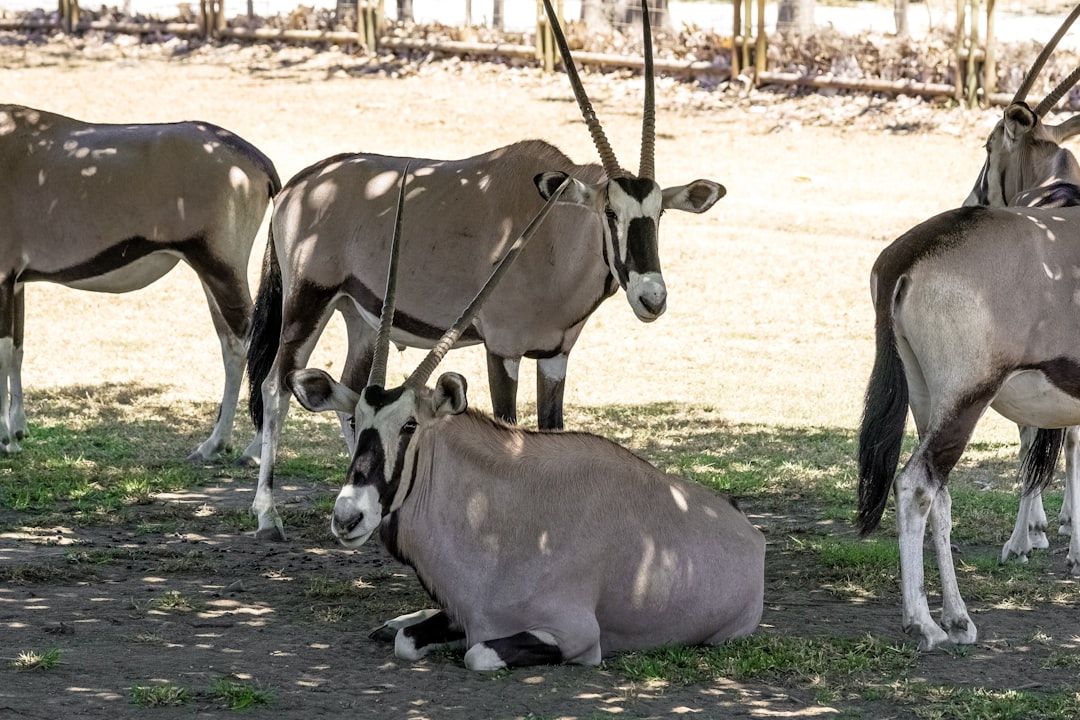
point(631, 225)
point(380, 475)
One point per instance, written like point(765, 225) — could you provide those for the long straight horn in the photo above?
point(377, 375)
point(607, 155)
point(423, 371)
point(1037, 66)
point(1057, 93)
point(648, 118)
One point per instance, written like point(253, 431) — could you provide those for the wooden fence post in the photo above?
point(68, 10)
point(369, 23)
point(545, 40)
point(990, 61)
point(736, 33)
point(762, 41)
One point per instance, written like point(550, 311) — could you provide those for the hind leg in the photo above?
point(17, 412)
point(550, 384)
point(302, 331)
point(8, 442)
point(229, 300)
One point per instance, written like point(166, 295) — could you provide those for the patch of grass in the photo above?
point(159, 695)
point(814, 662)
point(172, 601)
point(237, 695)
point(955, 703)
point(34, 660)
point(855, 568)
point(27, 574)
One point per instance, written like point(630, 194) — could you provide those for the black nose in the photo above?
point(654, 307)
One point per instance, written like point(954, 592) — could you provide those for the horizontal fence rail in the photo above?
point(739, 37)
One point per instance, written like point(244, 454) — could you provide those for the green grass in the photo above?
point(161, 694)
point(237, 695)
point(29, 660)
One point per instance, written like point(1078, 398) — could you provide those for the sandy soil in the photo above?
point(790, 166)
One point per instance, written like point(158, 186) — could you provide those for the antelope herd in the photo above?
point(515, 248)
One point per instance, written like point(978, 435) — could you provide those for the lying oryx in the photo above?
point(539, 547)
point(328, 243)
point(113, 208)
point(1026, 166)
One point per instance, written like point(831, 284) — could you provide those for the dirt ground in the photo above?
point(816, 170)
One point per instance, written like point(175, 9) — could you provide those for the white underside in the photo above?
point(1028, 398)
point(407, 339)
point(133, 276)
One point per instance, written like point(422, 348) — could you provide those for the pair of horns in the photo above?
point(648, 121)
point(1064, 86)
point(423, 371)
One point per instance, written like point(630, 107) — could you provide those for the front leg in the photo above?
point(550, 384)
point(503, 384)
point(532, 647)
point(1068, 516)
point(418, 634)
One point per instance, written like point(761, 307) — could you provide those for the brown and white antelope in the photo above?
point(329, 238)
point(112, 208)
point(975, 308)
point(1027, 166)
point(539, 547)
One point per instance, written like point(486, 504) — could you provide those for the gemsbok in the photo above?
point(112, 208)
point(538, 547)
point(329, 238)
point(1026, 166)
point(974, 308)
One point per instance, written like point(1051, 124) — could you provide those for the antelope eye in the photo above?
point(610, 214)
point(409, 427)
point(352, 424)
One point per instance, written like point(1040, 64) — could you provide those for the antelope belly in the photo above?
point(1029, 398)
point(133, 276)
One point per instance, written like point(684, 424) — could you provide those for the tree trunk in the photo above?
point(795, 17)
point(404, 11)
point(497, 14)
point(900, 13)
point(658, 13)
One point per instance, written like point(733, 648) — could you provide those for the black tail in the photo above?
point(882, 431)
point(1039, 463)
point(265, 330)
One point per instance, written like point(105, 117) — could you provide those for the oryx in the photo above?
point(1027, 166)
point(329, 237)
point(539, 547)
point(112, 208)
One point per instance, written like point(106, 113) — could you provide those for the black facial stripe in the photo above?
point(378, 398)
point(386, 498)
point(642, 255)
point(620, 267)
point(369, 463)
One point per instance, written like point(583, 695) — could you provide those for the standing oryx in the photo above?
point(329, 237)
point(112, 208)
point(975, 308)
point(1026, 166)
point(539, 547)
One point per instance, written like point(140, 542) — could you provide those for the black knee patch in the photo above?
point(524, 649)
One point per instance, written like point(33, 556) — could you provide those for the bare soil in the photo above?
point(836, 175)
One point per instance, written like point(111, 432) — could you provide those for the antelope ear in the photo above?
point(697, 197)
point(450, 395)
point(1019, 120)
point(318, 392)
point(576, 193)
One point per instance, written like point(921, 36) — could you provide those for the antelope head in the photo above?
point(630, 206)
point(1024, 156)
point(385, 421)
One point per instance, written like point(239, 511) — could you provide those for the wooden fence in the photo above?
point(973, 59)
